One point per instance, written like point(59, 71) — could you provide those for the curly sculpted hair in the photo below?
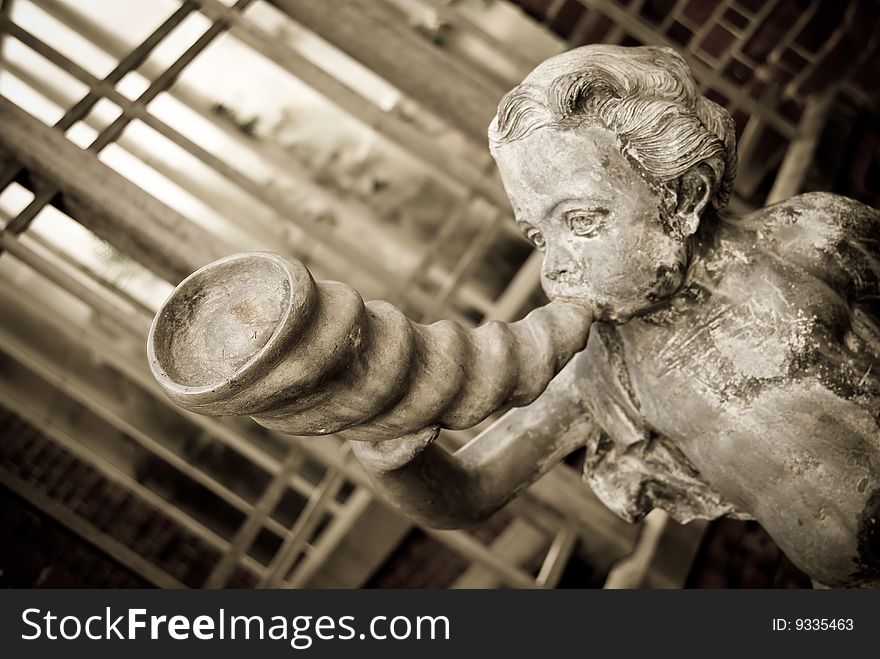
point(646, 96)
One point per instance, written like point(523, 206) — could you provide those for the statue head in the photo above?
point(610, 157)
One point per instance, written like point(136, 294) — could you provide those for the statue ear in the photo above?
point(694, 190)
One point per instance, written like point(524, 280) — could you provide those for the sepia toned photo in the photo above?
point(440, 294)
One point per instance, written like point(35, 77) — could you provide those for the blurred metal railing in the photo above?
point(71, 340)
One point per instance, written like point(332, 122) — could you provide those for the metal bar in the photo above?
point(557, 558)
point(258, 516)
point(673, 15)
point(750, 172)
point(459, 171)
point(306, 522)
point(553, 11)
point(5, 10)
point(128, 63)
point(519, 290)
point(167, 78)
point(90, 533)
point(113, 473)
point(831, 44)
point(104, 302)
point(440, 28)
point(517, 544)
point(350, 209)
point(617, 33)
point(267, 196)
point(448, 166)
point(22, 221)
point(606, 536)
point(66, 260)
point(708, 25)
point(252, 235)
point(432, 251)
point(632, 570)
point(476, 551)
point(450, 13)
point(866, 51)
point(585, 24)
point(744, 37)
point(110, 206)
point(674, 555)
point(476, 248)
point(373, 34)
point(647, 34)
point(334, 534)
point(82, 107)
point(69, 382)
point(799, 155)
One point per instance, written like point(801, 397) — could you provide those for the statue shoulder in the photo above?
point(831, 236)
point(823, 214)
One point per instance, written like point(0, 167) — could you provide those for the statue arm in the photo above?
point(255, 334)
point(448, 490)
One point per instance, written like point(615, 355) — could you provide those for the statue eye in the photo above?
point(586, 223)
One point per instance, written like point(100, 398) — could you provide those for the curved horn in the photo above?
point(254, 334)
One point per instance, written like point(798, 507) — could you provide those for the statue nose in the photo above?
point(554, 275)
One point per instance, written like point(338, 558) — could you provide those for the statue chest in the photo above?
point(703, 364)
point(763, 399)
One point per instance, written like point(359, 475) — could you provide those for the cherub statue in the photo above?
point(736, 369)
point(730, 365)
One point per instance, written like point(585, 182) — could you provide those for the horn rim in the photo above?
point(295, 305)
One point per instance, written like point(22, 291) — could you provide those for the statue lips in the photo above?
point(254, 334)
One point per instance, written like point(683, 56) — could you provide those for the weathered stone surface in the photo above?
point(733, 367)
point(254, 334)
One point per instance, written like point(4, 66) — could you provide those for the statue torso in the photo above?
point(761, 373)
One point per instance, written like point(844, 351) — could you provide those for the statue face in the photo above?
point(605, 232)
